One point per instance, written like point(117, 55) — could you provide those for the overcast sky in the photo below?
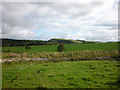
point(87, 20)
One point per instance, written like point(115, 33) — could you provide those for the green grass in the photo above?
point(76, 74)
point(69, 47)
point(92, 46)
point(58, 74)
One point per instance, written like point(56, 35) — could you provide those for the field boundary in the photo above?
point(57, 59)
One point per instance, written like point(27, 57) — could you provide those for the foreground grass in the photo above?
point(70, 74)
point(68, 47)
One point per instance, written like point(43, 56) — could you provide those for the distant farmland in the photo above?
point(68, 47)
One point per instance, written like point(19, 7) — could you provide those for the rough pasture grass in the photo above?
point(69, 47)
point(76, 74)
point(87, 54)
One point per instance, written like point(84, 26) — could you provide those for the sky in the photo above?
point(90, 20)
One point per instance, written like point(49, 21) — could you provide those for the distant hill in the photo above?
point(15, 42)
point(65, 41)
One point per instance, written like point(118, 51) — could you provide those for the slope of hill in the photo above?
point(65, 41)
point(15, 42)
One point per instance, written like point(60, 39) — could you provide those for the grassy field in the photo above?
point(89, 66)
point(70, 74)
point(69, 47)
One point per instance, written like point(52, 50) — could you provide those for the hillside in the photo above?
point(65, 41)
point(15, 42)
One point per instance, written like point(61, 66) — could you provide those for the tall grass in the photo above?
point(77, 54)
point(87, 54)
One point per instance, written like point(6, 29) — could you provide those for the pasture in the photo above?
point(68, 47)
point(90, 66)
point(67, 74)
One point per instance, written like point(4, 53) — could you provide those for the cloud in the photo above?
point(14, 13)
point(91, 36)
point(17, 32)
point(89, 20)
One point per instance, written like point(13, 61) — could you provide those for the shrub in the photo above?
point(60, 48)
point(27, 47)
point(12, 55)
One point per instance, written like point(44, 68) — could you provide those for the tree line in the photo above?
point(14, 42)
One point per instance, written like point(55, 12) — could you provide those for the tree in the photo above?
point(60, 48)
point(27, 46)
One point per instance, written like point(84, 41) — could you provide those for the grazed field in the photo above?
point(86, 67)
point(69, 47)
point(70, 74)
